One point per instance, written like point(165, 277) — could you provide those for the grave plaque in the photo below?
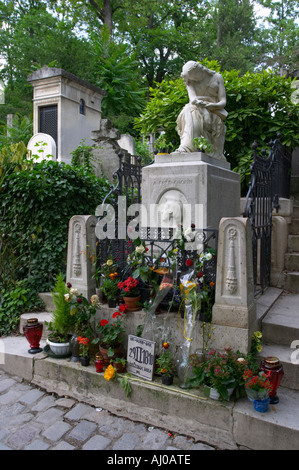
point(141, 357)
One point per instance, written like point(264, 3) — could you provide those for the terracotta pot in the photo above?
point(104, 352)
point(131, 303)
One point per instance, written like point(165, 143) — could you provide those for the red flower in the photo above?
point(104, 322)
point(189, 262)
point(83, 341)
point(116, 314)
point(79, 300)
point(123, 307)
point(200, 274)
point(69, 285)
point(165, 345)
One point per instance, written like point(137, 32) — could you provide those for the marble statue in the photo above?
point(204, 115)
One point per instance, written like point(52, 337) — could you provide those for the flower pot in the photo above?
point(103, 349)
point(261, 405)
point(167, 380)
point(131, 303)
point(120, 368)
point(33, 331)
point(59, 349)
point(111, 303)
point(212, 393)
point(85, 361)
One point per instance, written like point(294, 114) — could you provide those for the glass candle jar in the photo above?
point(33, 331)
point(99, 363)
point(272, 367)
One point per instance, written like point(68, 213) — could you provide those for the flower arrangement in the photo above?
point(84, 346)
point(111, 332)
point(129, 287)
point(110, 287)
point(257, 386)
point(81, 310)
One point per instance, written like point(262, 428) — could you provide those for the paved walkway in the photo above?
point(32, 419)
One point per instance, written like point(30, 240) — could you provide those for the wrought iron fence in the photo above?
point(270, 178)
point(159, 241)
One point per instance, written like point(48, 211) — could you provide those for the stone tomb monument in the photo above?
point(188, 186)
point(42, 145)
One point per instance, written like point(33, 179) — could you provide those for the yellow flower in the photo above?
point(257, 334)
point(109, 372)
point(109, 262)
point(259, 348)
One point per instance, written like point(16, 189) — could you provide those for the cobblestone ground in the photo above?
point(32, 419)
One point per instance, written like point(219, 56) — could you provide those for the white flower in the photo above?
point(67, 297)
point(208, 256)
point(94, 300)
point(74, 291)
point(140, 249)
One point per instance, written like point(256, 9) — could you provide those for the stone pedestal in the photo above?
point(234, 311)
point(81, 248)
point(191, 187)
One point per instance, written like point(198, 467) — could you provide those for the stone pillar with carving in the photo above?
point(234, 311)
point(81, 249)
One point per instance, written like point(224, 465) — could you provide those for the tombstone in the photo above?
point(234, 311)
point(42, 145)
point(80, 252)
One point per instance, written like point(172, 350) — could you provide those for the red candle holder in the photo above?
point(274, 370)
point(99, 363)
point(33, 331)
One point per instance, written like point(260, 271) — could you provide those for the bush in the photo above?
point(36, 206)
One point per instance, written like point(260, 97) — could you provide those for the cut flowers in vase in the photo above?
point(82, 311)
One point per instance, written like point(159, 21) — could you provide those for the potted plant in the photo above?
point(84, 350)
point(62, 323)
point(165, 365)
point(111, 291)
point(257, 388)
point(119, 363)
point(130, 293)
point(111, 338)
point(217, 375)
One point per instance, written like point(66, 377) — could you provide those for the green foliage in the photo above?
point(12, 159)
point(82, 156)
point(62, 321)
point(14, 301)
point(258, 106)
point(20, 131)
point(36, 206)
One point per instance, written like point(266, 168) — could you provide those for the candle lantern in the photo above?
point(99, 363)
point(272, 367)
point(33, 331)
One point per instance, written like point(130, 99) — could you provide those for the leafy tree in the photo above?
point(280, 35)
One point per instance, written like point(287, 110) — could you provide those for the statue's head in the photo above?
point(194, 71)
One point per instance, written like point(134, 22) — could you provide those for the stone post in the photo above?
point(234, 311)
point(81, 248)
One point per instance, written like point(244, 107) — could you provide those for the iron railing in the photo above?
point(270, 179)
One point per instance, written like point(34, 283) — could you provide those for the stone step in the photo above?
point(292, 282)
point(292, 261)
point(42, 318)
point(281, 324)
point(227, 425)
point(47, 298)
point(295, 211)
point(289, 358)
point(293, 243)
